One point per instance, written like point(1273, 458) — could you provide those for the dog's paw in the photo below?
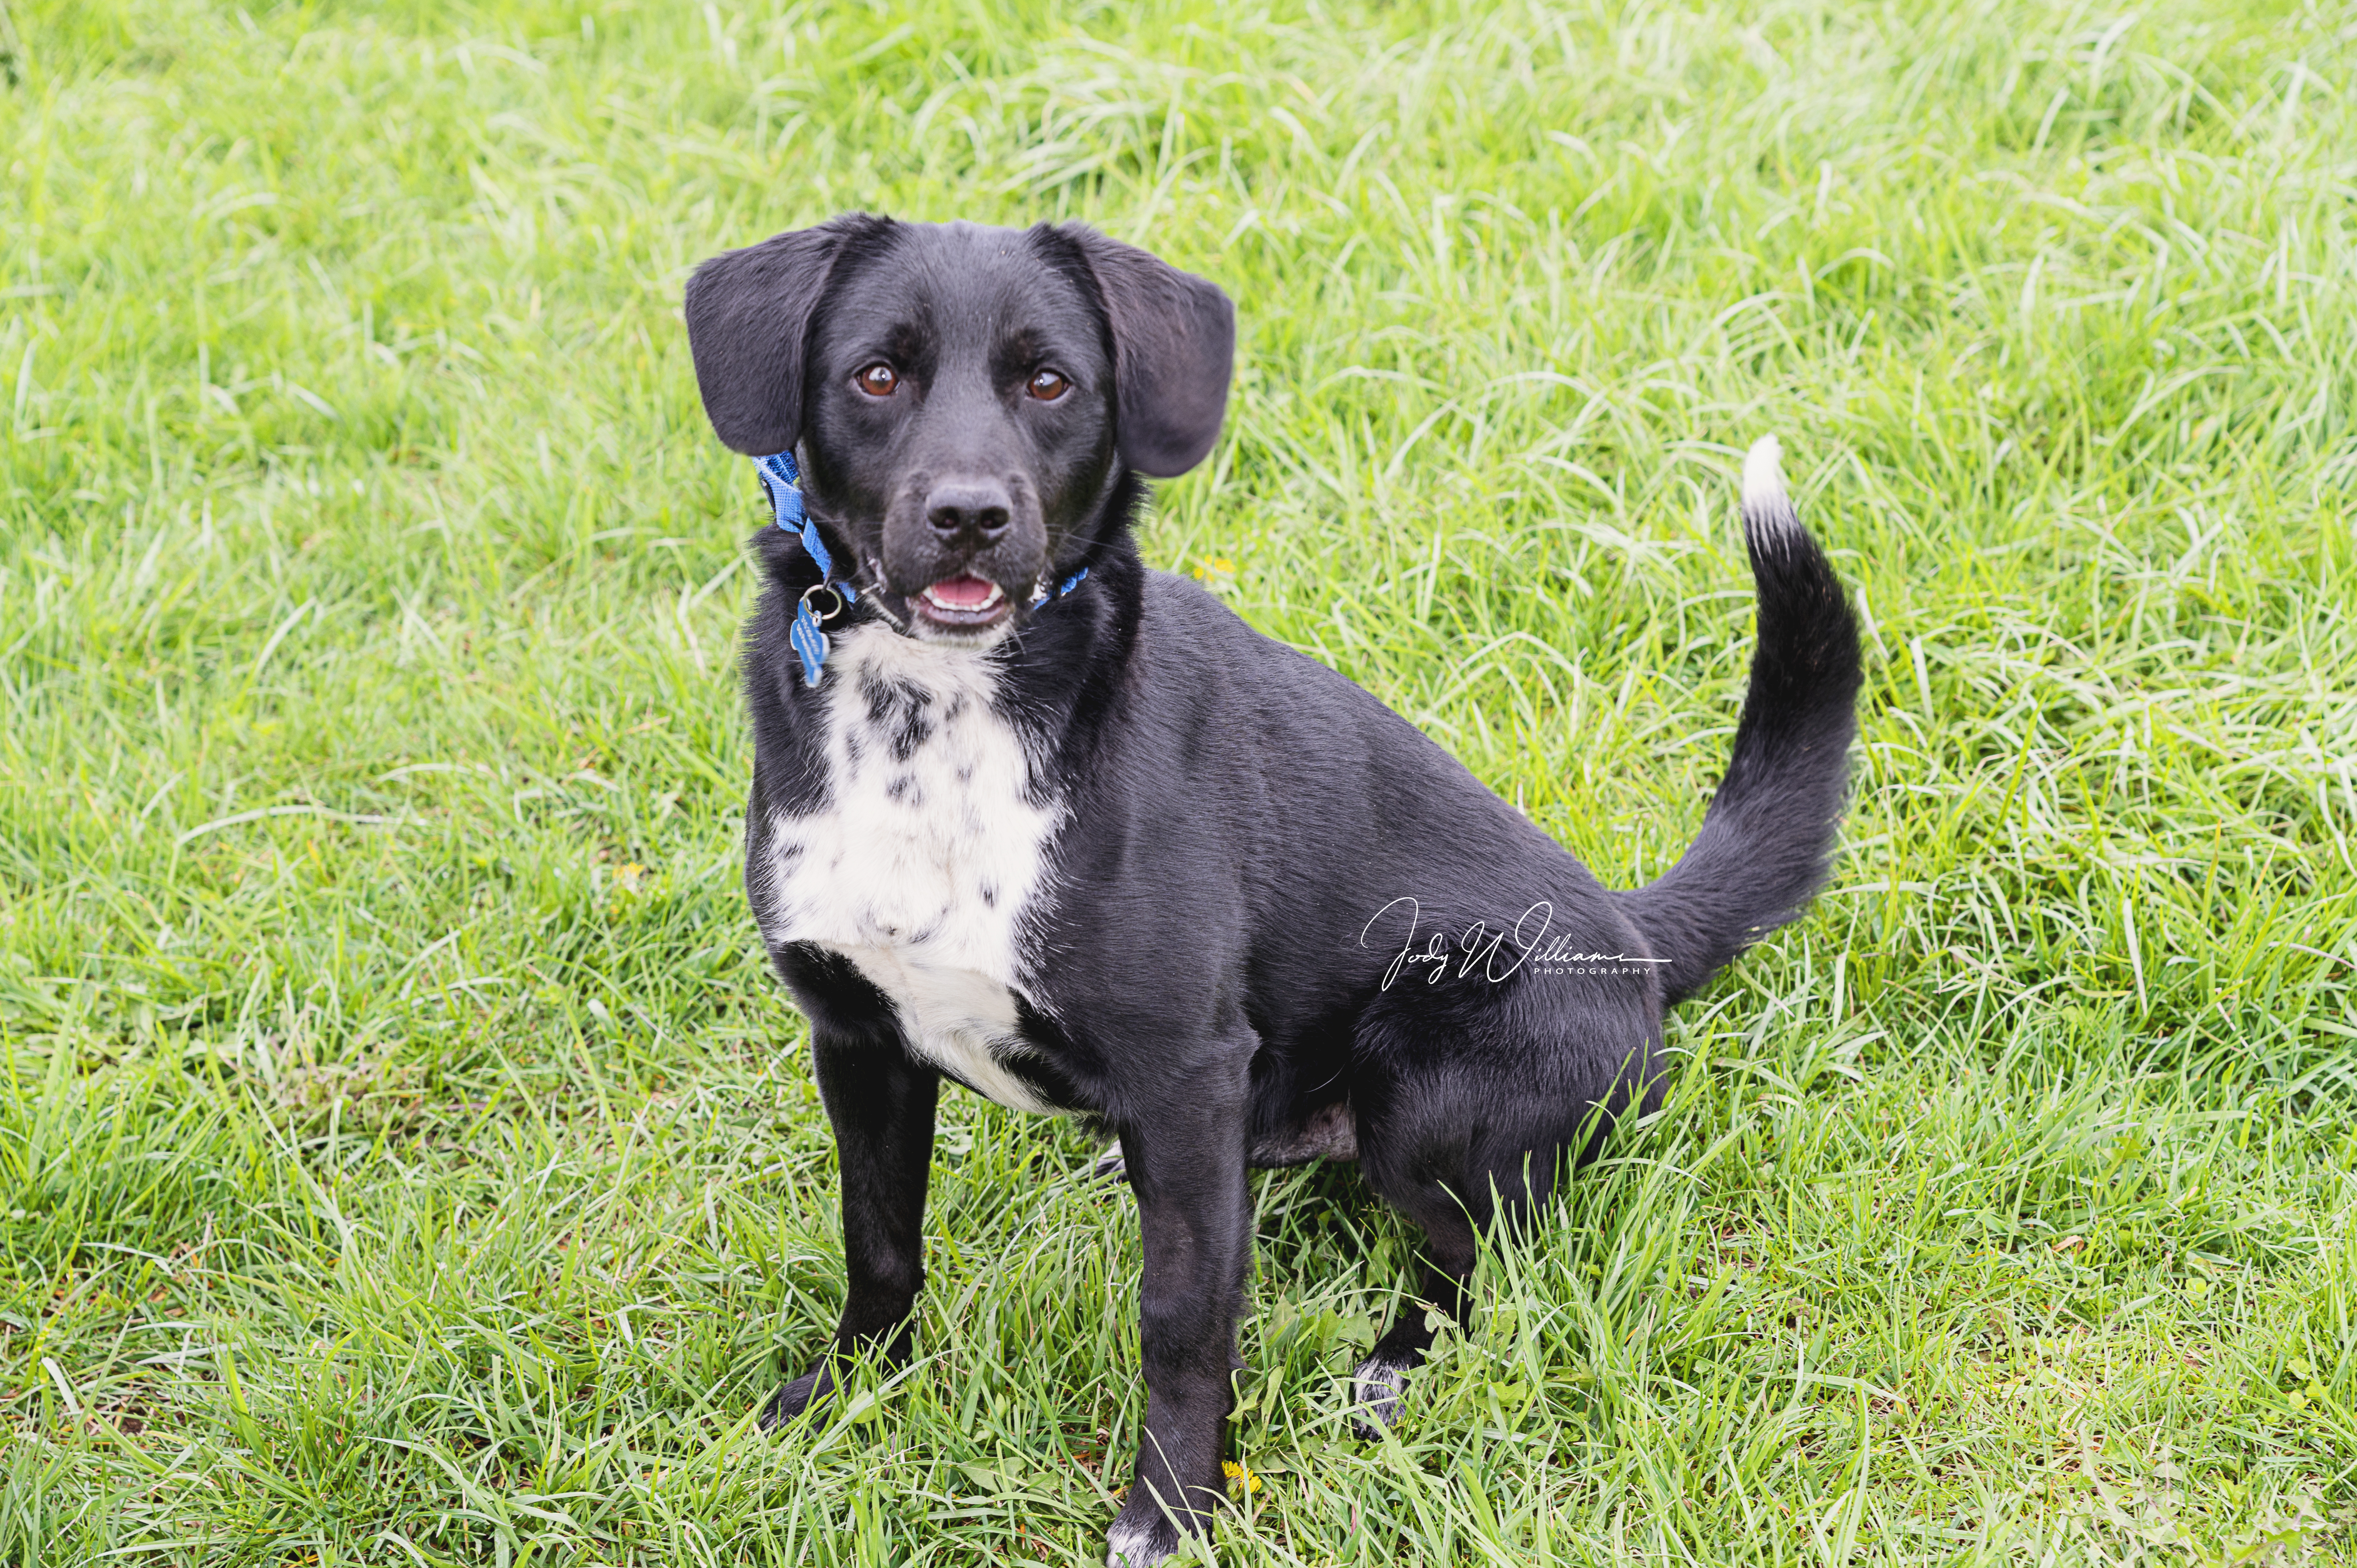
point(1377, 1385)
point(798, 1396)
point(1140, 1542)
point(1110, 1165)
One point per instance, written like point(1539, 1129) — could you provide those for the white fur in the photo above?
point(1132, 1546)
point(1378, 1383)
point(1766, 506)
point(892, 871)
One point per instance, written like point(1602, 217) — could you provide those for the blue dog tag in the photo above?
point(810, 643)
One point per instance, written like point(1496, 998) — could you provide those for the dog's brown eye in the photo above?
point(878, 380)
point(1047, 386)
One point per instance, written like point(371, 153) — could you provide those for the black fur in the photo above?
point(1223, 968)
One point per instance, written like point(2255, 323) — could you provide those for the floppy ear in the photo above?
point(1174, 344)
point(749, 315)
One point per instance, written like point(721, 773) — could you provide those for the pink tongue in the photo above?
point(968, 593)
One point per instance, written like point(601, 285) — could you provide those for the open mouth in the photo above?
point(965, 602)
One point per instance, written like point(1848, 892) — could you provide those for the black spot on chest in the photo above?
point(899, 712)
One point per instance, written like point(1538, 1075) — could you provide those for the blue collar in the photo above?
point(783, 477)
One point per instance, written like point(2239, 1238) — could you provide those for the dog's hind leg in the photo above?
point(1379, 1382)
point(1470, 1142)
point(1455, 1183)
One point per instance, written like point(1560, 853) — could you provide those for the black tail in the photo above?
point(1766, 842)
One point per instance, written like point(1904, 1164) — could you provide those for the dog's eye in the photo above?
point(878, 380)
point(1047, 386)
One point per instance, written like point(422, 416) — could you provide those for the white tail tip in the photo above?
point(1767, 510)
point(1763, 473)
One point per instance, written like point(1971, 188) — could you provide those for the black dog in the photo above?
point(1112, 853)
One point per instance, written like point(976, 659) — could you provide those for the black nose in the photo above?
point(969, 511)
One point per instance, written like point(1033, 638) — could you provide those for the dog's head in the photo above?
point(966, 401)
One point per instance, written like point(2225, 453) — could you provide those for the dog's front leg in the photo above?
point(881, 1104)
point(1186, 1164)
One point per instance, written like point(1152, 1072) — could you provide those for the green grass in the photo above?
point(407, 1158)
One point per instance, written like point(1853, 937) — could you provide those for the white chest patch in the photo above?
point(927, 852)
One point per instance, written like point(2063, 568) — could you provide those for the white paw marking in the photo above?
point(1378, 1386)
point(1132, 1546)
point(929, 848)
